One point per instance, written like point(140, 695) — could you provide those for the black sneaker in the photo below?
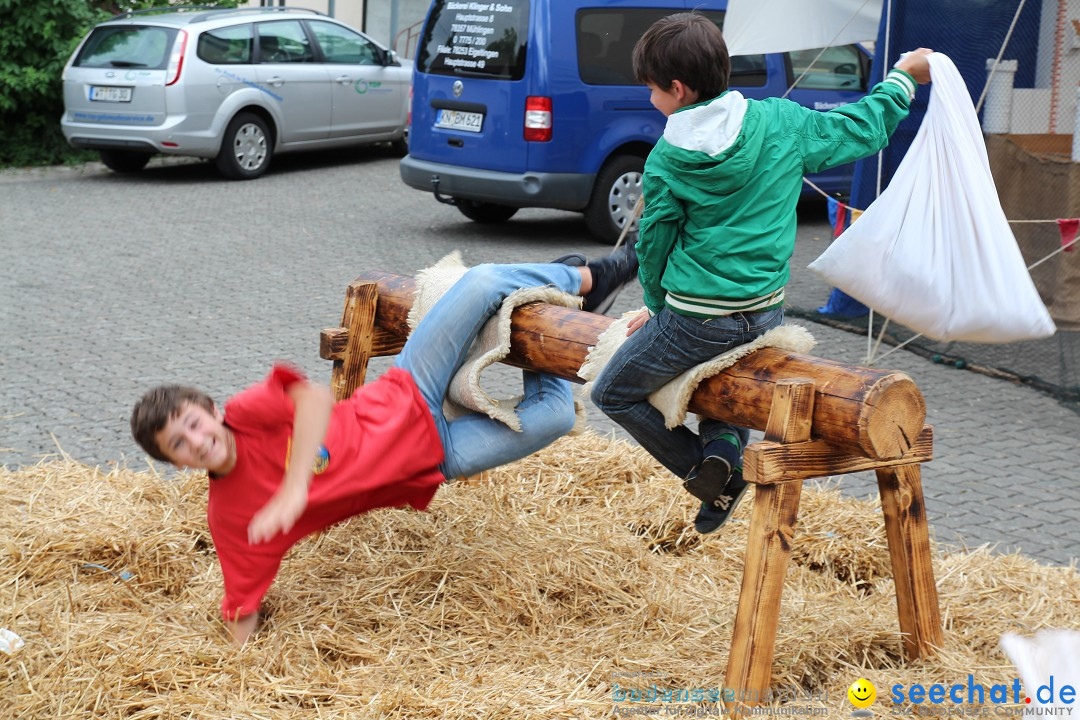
point(609, 275)
point(711, 476)
point(713, 515)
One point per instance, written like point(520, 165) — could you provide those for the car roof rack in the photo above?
point(159, 10)
point(209, 11)
point(216, 12)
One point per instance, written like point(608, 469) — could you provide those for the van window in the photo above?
point(127, 46)
point(838, 68)
point(284, 42)
point(480, 39)
point(606, 39)
point(226, 46)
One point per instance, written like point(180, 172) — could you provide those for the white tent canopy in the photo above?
point(765, 26)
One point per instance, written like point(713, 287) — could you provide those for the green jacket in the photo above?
point(721, 188)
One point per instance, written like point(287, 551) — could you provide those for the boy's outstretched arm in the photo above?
point(313, 405)
point(862, 128)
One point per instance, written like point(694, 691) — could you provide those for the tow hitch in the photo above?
point(435, 189)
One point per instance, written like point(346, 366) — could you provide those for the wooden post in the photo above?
point(359, 317)
point(909, 548)
point(772, 526)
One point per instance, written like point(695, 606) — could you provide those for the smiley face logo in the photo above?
point(862, 693)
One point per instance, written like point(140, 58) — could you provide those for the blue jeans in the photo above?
point(439, 345)
point(666, 346)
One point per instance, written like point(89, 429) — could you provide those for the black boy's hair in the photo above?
point(687, 47)
point(156, 408)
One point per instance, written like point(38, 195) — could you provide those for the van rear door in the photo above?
point(470, 86)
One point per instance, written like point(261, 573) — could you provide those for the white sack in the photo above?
point(935, 251)
point(1050, 656)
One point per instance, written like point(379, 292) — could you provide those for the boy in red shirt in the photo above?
point(285, 460)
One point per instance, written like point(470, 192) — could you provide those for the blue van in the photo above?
point(533, 103)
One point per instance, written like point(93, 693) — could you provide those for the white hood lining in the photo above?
point(711, 128)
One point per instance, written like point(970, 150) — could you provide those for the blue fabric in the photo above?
point(842, 305)
point(666, 346)
point(439, 345)
point(968, 33)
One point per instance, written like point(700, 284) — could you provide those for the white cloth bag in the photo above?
point(935, 251)
point(1051, 659)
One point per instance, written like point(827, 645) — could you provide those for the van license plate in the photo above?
point(459, 120)
point(110, 94)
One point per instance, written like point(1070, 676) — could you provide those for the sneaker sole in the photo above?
point(604, 305)
point(711, 479)
point(734, 504)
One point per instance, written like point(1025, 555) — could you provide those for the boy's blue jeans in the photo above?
point(439, 345)
point(663, 348)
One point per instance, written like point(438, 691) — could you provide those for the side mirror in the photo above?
point(390, 58)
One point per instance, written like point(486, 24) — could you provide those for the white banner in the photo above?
point(765, 26)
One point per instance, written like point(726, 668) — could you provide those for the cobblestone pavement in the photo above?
point(114, 283)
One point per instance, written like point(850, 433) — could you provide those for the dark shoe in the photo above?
point(712, 516)
point(609, 275)
point(711, 476)
point(573, 260)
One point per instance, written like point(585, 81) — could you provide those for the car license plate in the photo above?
point(101, 93)
point(459, 120)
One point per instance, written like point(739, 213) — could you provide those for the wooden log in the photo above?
point(772, 527)
point(874, 413)
point(909, 549)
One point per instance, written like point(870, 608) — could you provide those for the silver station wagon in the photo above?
point(235, 86)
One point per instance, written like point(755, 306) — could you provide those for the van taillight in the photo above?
point(176, 60)
point(538, 119)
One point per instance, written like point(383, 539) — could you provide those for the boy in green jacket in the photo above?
point(718, 230)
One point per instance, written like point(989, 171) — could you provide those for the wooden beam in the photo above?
point(873, 413)
point(771, 462)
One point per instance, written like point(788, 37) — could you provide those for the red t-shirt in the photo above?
point(381, 450)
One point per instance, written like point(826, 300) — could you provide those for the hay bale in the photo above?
point(516, 596)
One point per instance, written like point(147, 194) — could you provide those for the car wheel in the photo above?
point(124, 161)
point(487, 213)
point(614, 196)
point(246, 148)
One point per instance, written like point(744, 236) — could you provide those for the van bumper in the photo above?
point(564, 191)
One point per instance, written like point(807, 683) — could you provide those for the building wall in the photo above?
point(1048, 108)
point(1058, 64)
point(372, 17)
point(411, 14)
point(350, 12)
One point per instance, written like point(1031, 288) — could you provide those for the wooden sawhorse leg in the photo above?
point(909, 549)
point(772, 526)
